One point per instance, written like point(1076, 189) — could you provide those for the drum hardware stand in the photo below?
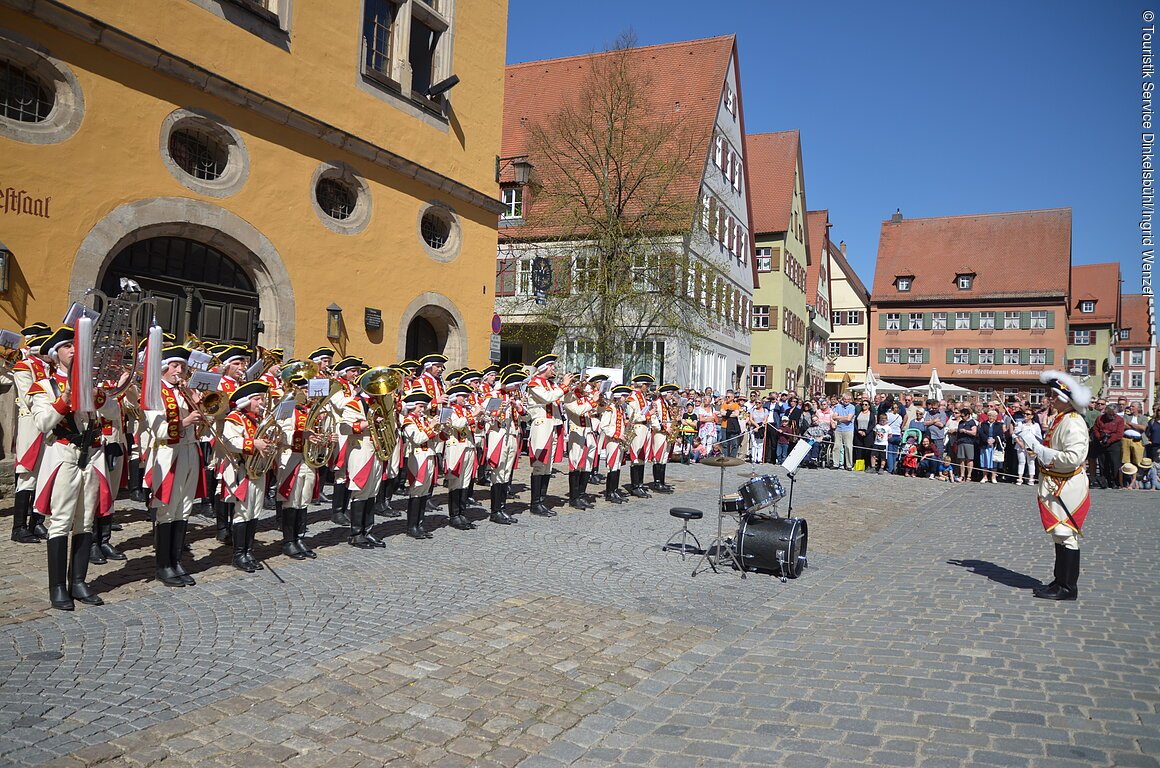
point(712, 554)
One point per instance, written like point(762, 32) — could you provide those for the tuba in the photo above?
point(258, 464)
point(320, 419)
point(116, 335)
point(381, 384)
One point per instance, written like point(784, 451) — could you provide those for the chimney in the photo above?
point(842, 245)
point(897, 217)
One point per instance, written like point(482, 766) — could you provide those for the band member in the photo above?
point(637, 407)
point(297, 482)
point(72, 485)
point(418, 435)
point(476, 400)
point(662, 417)
point(545, 435)
point(459, 453)
point(27, 524)
point(1063, 485)
point(362, 467)
point(323, 357)
point(577, 409)
point(241, 437)
point(272, 375)
point(431, 379)
point(115, 447)
point(346, 373)
point(173, 466)
point(233, 364)
point(503, 444)
point(599, 400)
point(617, 432)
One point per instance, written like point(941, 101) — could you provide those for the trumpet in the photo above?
point(212, 405)
point(268, 360)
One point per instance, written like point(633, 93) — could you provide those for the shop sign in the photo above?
point(19, 203)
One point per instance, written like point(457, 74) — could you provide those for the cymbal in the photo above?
point(723, 461)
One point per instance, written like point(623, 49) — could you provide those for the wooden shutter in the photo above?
point(927, 320)
point(1051, 352)
point(974, 321)
point(775, 259)
point(882, 354)
point(950, 355)
point(1025, 320)
point(882, 321)
point(505, 277)
point(926, 355)
point(1051, 318)
point(973, 357)
point(561, 275)
point(1025, 354)
point(773, 318)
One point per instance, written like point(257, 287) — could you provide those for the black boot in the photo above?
point(659, 485)
point(96, 556)
point(458, 519)
point(241, 562)
point(611, 491)
point(82, 544)
point(636, 482)
point(137, 482)
point(251, 531)
point(358, 528)
point(368, 522)
point(289, 523)
point(1068, 576)
point(58, 591)
point(380, 505)
point(586, 498)
point(615, 477)
point(221, 516)
point(340, 505)
point(574, 491)
point(427, 504)
point(597, 478)
point(300, 531)
point(1057, 573)
point(20, 508)
point(498, 514)
point(104, 536)
point(163, 555)
point(36, 521)
point(540, 495)
point(414, 516)
point(469, 499)
point(177, 550)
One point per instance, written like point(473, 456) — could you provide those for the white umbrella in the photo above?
point(881, 385)
point(935, 387)
point(871, 383)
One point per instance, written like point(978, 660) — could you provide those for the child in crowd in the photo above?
point(784, 438)
point(881, 440)
point(697, 451)
point(944, 471)
point(1147, 475)
point(910, 458)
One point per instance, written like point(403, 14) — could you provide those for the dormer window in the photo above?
point(903, 283)
point(965, 281)
point(1087, 307)
point(1125, 334)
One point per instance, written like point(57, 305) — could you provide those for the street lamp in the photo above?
point(334, 322)
point(5, 261)
point(519, 164)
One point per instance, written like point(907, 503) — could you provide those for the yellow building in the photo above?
point(848, 345)
point(254, 163)
point(780, 314)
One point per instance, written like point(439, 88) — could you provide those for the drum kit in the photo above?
point(764, 541)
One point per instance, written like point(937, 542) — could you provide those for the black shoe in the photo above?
point(36, 525)
point(96, 556)
point(21, 506)
point(82, 546)
point(300, 531)
point(500, 518)
point(104, 536)
point(459, 522)
point(340, 505)
point(1057, 592)
point(138, 496)
point(24, 536)
point(639, 492)
point(289, 524)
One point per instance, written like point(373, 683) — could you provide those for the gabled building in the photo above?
point(1134, 359)
point(696, 82)
point(1094, 316)
point(983, 299)
point(849, 342)
point(818, 301)
point(780, 318)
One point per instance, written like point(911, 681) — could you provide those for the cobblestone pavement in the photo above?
point(912, 639)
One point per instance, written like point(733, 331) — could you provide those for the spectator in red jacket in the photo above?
point(1108, 432)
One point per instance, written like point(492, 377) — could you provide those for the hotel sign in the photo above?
point(992, 372)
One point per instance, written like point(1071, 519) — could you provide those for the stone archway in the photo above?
point(196, 220)
point(445, 320)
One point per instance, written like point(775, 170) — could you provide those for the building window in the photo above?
point(757, 377)
point(903, 283)
point(1036, 395)
point(203, 153)
point(760, 317)
point(1038, 356)
point(764, 259)
point(586, 273)
point(405, 45)
point(513, 200)
point(1125, 334)
point(1119, 358)
point(1010, 356)
point(1087, 307)
point(1136, 357)
point(893, 321)
point(965, 282)
point(341, 198)
point(914, 355)
point(962, 321)
point(986, 357)
point(835, 349)
point(914, 322)
point(646, 357)
point(853, 349)
point(1081, 338)
point(893, 355)
point(986, 393)
point(579, 355)
point(198, 153)
point(1081, 367)
point(1115, 380)
point(23, 97)
point(1011, 321)
point(987, 321)
point(435, 227)
point(337, 200)
point(1039, 318)
point(524, 277)
point(836, 317)
point(938, 321)
point(960, 356)
point(853, 317)
point(1136, 379)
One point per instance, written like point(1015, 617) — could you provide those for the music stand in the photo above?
point(713, 553)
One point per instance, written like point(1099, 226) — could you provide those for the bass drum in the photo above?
point(776, 545)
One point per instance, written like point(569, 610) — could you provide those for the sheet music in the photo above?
point(11, 340)
point(199, 361)
point(204, 381)
point(318, 387)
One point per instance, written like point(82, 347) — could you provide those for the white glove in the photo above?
point(1044, 454)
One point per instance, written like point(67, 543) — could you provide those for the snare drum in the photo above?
point(761, 492)
point(733, 505)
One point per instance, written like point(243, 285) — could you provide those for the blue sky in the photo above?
point(928, 107)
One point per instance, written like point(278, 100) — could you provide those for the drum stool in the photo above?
point(683, 546)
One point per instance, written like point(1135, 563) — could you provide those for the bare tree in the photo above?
point(613, 205)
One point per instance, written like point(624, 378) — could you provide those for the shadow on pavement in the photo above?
point(997, 573)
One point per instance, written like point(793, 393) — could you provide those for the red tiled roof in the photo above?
point(1021, 254)
point(685, 79)
point(816, 225)
point(773, 160)
point(1099, 283)
point(1134, 316)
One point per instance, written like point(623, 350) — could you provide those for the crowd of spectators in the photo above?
point(955, 442)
